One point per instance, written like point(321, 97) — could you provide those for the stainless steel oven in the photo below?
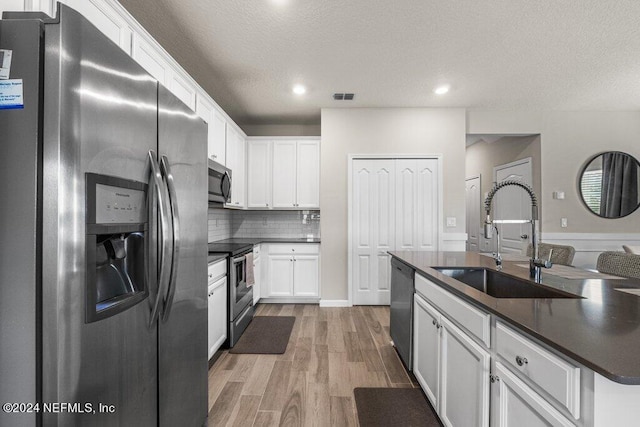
point(240, 297)
point(219, 183)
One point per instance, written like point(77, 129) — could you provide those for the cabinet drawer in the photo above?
point(216, 270)
point(476, 322)
point(556, 376)
point(294, 248)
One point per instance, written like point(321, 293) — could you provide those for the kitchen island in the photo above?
point(593, 338)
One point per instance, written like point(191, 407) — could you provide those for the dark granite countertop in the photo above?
point(600, 330)
point(216, 257)
point(236, 246)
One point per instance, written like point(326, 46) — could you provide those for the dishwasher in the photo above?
point(401, 311)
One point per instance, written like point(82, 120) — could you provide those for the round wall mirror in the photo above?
point(609, 184)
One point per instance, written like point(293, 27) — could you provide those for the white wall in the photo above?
point(377, 131)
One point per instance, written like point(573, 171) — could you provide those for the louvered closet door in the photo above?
point(373, 221)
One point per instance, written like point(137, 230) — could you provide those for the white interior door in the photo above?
point(513, 203)
point(373, 229)
point(416, 204)
point(473, 200)
point(394, 206)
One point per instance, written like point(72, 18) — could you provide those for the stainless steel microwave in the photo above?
point(219, 183)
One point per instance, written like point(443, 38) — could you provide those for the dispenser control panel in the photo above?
point(117, 205)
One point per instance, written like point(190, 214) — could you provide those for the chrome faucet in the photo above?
point(535, 263)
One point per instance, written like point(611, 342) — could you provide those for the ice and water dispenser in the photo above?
point(116, 245)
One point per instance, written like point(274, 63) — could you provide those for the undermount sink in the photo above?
point(501, 285)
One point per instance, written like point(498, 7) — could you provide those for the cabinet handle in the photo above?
point(521, 360)
point(434, 322)
point(267, 204)
point(494, 378)
point(214, 156)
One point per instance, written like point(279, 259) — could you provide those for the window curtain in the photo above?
point(619, 185)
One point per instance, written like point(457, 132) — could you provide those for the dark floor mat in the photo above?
point(394, 407)
point(265, 335)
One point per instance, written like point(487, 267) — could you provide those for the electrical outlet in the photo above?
point(216, 222)
point(564, 223)
point(558, 195)
point(451, 221)
point(264, 220)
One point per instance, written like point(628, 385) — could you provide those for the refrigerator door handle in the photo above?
point(175, 220)
point(159, 187)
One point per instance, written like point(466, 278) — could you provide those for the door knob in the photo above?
point(524, 236)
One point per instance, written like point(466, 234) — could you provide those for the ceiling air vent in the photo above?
point(343, 96)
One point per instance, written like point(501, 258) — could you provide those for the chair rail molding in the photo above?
point(589, 245)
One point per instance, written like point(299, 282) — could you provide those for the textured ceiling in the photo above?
point(495, 54)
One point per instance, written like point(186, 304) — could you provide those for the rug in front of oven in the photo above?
point(265, 335)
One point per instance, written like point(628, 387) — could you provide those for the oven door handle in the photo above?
point(239, 259)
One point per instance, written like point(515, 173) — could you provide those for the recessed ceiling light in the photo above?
point(299, 90)
point(441, 90)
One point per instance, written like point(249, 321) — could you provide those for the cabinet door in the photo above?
point(235, 162)
point(464, 379)
point(184, 90)
point(515, 404)
point(217, 314)
point(426, 348)
point(150, 59)
point(258, 280)
point(416, 204)
point(308, 174)
point(218, 138)
point(241, 176)
point(280, 275)
point(107, 19)
point(284, 174)
point(205, 110)
point(258, 174)
point(306, 271)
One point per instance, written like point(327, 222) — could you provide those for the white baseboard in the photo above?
point(334, 303)
point(297, 300)
point(589, 245)
point(454, 242)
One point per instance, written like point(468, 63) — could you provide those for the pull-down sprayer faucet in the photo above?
point(535, 263)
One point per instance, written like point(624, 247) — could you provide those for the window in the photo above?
point(591, 186)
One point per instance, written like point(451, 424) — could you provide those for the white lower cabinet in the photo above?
point(257, 275)
point(451, 367)
point(217, 299)
point(426, 348)
point(464, 379)
point(217, 305)
point(516, 404)
point(293, 271)
point(306, 275)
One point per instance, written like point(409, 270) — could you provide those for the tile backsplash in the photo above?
point(225, 223)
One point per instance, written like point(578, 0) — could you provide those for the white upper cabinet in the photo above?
point(308, 174)
point(216, 136)
point(183, 89)
point(107, 18)
point(284, 174)
point(147, 57)
point(292, 173)
point(259, 174)
point(236, 162)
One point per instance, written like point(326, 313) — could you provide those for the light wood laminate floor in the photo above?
point(331, 351)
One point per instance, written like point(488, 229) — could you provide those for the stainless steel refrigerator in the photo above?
point(103, 218)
